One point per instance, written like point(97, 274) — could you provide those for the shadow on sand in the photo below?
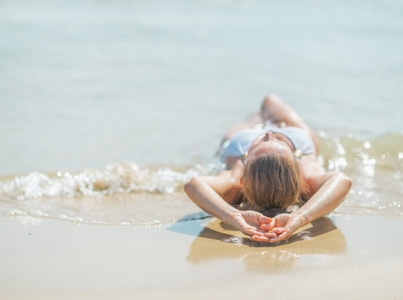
point(215, 240)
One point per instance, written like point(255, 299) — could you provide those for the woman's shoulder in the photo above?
point(313, 173)
point(309, 164)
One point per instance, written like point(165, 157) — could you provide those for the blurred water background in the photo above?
point(131, 97)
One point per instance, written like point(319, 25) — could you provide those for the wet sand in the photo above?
point(349, 257)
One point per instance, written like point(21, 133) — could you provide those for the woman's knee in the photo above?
point(270, 100)
point(271, 107)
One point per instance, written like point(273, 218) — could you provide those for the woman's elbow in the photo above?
point(346, 181)
point(189, 186)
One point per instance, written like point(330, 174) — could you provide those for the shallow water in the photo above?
point(126, 194)
point(101, 99)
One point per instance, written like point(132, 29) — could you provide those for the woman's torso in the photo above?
point(238, 145)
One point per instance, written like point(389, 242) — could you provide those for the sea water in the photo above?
point(108, 107)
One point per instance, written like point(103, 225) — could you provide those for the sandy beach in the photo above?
point(349, 257)
point(108, 107)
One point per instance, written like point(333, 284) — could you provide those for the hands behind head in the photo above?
point(264, 229)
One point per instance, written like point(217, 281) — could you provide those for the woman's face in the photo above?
point(266, 143)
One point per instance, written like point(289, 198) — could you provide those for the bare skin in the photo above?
point(216, 194)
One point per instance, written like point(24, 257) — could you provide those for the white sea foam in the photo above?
point(124, 193)
point(117, 178)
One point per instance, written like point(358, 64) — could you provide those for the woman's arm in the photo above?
point(214, 194)
point(330, 189)
point(208, 198)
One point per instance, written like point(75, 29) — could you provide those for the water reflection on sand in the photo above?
point(316, 242)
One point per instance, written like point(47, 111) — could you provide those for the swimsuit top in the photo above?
point(238, 145)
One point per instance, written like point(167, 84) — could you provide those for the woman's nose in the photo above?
point(269, 136)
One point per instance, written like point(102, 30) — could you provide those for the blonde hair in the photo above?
point(273, 181)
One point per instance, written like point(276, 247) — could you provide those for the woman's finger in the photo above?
point(260, 239)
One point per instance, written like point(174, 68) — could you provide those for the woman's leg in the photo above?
point(281, 114)
point(273, 110)
point(277, 112)
point(251, 122)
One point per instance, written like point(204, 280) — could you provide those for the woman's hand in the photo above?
point(280, 229)
point(250, 223)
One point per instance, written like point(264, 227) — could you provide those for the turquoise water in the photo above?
point(87, 87)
